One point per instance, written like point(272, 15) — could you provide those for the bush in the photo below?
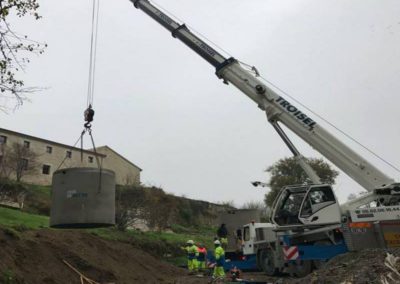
point(8, 277)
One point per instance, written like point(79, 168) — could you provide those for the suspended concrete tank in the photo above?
point(82, 198)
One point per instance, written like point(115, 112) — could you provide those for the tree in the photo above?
point(15, 48)
point(227, 203)
point(18, 161)
point(147, 204)
point(288, 172)
point(258, 205)
point(130, 206)
point(161, 209)
point(253, 204)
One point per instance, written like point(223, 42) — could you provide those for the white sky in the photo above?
point(161, 105)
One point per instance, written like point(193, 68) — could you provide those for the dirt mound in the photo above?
point(365, 266)
point(37, 257)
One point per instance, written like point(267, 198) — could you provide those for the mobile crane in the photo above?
point(308, 225)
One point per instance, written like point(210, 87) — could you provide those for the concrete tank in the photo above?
point(82, 198)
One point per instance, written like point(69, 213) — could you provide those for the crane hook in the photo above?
point(88, 115)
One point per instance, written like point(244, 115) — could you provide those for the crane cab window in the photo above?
point(289, 206)
point(317, 198)
point(260, 236)
point(246, 233)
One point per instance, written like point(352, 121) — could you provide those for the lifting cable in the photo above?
point(89, 111)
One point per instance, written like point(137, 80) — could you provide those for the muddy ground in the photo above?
point(37, 257)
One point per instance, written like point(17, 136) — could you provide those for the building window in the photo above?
point(69, 154)
point(3, 139)
point(49, 149)
point(46, 170)
point(24, 164)
point(27, 144)
point(90, 158)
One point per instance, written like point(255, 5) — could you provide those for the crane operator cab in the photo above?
point(306, 205)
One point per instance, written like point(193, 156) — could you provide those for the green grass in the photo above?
point(204, 236)
point(40, 190)
point(37, 200)
point(15, 218)
point(165, 244)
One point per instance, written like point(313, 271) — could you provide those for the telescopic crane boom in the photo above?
point(276, 107)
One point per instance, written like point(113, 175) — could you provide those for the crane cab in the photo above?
point(301, 205)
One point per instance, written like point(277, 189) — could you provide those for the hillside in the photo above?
point(33, 253)
point(177, 210)
point(37, 257)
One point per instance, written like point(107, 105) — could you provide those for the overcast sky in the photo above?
point(161, 106)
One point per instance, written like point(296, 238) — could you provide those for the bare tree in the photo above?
point(227, 203)
point(161, 208)
point(18, 161)
point(254, 205)
point(15, 48)
point(130, 206)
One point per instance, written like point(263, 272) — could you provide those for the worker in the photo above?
point(222, 234)
point(192, 254)
point(202, 258)
point(220, 260)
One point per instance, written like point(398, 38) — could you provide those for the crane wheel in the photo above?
point(301, 269)
point(267, 262)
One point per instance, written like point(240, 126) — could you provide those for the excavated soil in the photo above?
point(36, 257)
point(365, 266)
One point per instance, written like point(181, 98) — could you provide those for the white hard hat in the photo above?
point(217, 242)
point(191, 242)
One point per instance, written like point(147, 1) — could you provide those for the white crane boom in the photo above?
point(276, 107)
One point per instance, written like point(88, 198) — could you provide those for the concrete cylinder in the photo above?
point(82, 198)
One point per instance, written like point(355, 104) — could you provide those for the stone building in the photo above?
point(49, 155)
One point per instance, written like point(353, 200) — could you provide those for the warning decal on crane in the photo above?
point(291, 253)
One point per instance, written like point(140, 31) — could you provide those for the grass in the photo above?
point(14, 218)
point(165, 244)
point(199, 235)
point(37, 200)
point(41, 190)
